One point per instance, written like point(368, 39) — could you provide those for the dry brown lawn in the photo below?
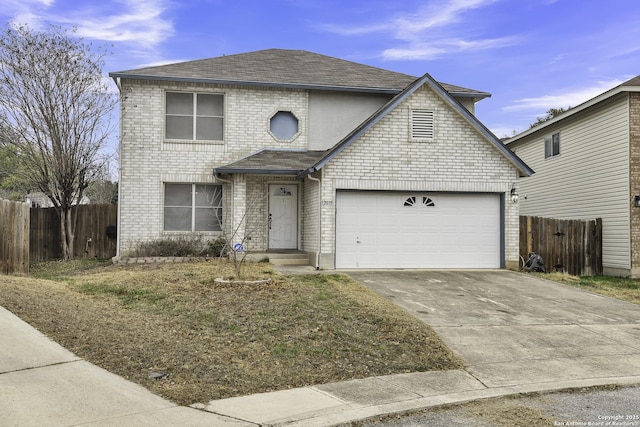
point(212, 341)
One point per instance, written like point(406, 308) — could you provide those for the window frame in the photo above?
point(552, 145)
point(194, 207)
point(194, 116)
point(278, 137)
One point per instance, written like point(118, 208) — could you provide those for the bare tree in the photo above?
point(238, 232)
point(101, 190)
point(550, 114)
point(56, 105)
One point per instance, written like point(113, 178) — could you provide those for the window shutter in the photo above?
point(423, 125)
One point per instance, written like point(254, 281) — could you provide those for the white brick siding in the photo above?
point(385, 158)
point(459, 160)
point(147, 161)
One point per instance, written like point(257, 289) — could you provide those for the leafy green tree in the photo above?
point(55, 108)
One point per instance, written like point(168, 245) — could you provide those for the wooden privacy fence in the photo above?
point(570, 246)
point(95, 233)
point(14, 237)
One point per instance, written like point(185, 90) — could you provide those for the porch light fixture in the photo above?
point(514, 194)
point(636, 201)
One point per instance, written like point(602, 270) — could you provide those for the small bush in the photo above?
point(172, 247)
point(218, 247)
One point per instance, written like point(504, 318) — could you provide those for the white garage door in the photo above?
point(377, 229)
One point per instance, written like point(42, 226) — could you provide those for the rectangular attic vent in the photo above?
point(423, 125)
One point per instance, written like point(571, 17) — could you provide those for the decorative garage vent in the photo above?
point(426, 201)
point(410, 201)
point(423, 125)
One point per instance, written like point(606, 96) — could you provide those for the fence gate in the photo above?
point(570, 246)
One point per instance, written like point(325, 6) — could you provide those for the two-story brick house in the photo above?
point(356, 166)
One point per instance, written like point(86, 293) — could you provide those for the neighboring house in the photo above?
point(37, 199)
point(587, 163)
point(356, 166)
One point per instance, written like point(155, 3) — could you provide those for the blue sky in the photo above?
point(531, 55)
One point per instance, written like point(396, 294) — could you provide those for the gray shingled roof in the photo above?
point(288, 68)
point(273, 162)
point(632, 82)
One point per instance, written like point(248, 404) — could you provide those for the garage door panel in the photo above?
point(459, 231)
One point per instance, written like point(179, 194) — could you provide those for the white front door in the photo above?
point(283, 216)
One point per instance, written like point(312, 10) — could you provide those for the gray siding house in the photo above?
point(351, 165)
point(587, 163)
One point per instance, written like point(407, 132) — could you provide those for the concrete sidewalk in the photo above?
point(41, 383)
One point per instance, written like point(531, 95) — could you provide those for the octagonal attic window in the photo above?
point(283, 125)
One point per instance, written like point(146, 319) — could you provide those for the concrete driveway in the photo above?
point(514, 329)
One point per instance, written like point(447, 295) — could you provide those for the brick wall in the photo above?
point(147, 160)
point(459, 160)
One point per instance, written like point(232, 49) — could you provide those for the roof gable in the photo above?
point(287, 68)
point(523, 169)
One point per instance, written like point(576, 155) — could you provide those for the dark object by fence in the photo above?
point(14, 237)
point(570, 246)
point(91, 240)
point(112, 231)
point(535, 263)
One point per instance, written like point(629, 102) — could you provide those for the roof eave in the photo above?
point(476, 96)
point(220, 171)
point(361, 89)
point(575, 110)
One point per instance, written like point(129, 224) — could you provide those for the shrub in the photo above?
point(218, 247)
point(172, 247)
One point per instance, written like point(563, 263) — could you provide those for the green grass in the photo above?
point(125, 294)
point(616, 287)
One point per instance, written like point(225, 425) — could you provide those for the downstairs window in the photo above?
point(192, 207)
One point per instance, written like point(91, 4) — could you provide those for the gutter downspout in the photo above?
point(118, 225)
point(319, 220)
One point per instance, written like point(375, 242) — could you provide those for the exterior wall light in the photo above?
point(636, 201)
point(514, 194)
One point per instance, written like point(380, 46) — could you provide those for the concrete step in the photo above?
point(288, 258)
point(289, 261)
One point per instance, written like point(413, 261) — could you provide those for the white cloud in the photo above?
point(568, 98)
point(436, 48)
point(25, 12)
point(436, 14)
point(423, 34)
point(139, 22)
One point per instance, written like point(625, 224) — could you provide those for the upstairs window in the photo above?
point(283, 126)
point(552, 145)
point(423, 125)
point(194, 116)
